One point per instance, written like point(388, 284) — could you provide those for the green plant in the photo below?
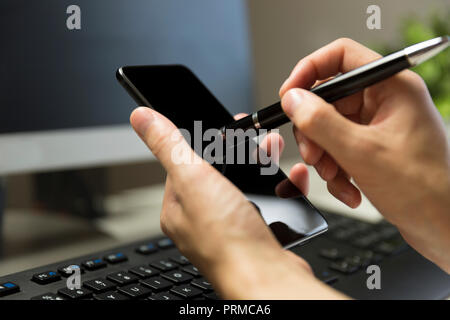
point(435, 72)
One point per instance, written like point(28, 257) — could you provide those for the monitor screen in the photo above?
point(53, 76)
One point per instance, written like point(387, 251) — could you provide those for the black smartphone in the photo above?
point(175, 92)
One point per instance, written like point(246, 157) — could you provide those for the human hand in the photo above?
point(217, 229)
point(389, 138)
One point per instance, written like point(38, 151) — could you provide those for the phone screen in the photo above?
point(178, 94)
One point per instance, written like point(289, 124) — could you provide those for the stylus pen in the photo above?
point(349, 83)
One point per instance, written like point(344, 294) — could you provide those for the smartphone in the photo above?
point(175, 92)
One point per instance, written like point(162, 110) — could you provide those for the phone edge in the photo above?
point(131, 89)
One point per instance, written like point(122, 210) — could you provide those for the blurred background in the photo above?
point(75, 179)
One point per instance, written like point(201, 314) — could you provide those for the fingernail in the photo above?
point(291, 101)
point(141, 119)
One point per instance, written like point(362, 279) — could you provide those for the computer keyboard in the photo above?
point(155, 270)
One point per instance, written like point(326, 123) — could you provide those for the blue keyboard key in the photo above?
point(94, 264)
point(8, 288)
point(116, 257)
point(165, 243)
point(147, 248)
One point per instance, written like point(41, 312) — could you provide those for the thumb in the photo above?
point(321, 122)
point(166, 142)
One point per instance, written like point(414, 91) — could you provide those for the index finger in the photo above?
point(341, 55)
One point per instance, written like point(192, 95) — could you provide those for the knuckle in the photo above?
point(319, 112)
point(163, 223)
point(165, 230)
point(310, 153)
point(305, 122)
point(169, 223)
point(309, 158)
point(415, 79)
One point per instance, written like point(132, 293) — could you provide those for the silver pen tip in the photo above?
point(425, 50)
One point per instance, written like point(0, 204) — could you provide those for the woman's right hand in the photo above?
point(389, 138)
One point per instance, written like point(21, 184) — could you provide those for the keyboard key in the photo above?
point(164, 265)
point(144, 271)
point(367, 240)
point(192, 270)
point(186, 291)
point(46, 277)
point(368, 254)
point(361, 227)
point(164, 296)
point(392, 246)
point(147, 248)
point(362, 259)
point(111, 296)
point(99, 285)
point(75, 293)
point(211, 296)
point(165, 243)
point(202, 283)
point(8, 288)
point(180, 259)
point(116, 258)
point(331, 254)
point(49, 296)
point(343, 267)
point(122, 278)
point(94, 264)
point(66, 272)
point(344, 233)
point(135, 291)
point(157, 284)
point(387, 231)
point(177, 276)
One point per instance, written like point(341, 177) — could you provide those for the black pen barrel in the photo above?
point(341, 86)
point(350, 82)
point(362, 77)
point(243, 123)
point(272, 117)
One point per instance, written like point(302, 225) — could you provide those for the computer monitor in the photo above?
point(60, 104)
